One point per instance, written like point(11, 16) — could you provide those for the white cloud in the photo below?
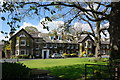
point(52, 25)
point(39, 27)
point(84, 27)
point(55, 24)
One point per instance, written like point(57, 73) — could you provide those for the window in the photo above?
point(37, 53)
point(22, 51)
point(17, 52)
point(50, 45)
point(89, 45)
point(37, 40)
point(51, 37)
point(17, 42)
point(37, 47)
point(45, 45)
point(55, 45)
point(60, 37)
point(22, 42)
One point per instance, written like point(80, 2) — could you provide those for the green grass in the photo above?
point(42, 63)
point(70, 68)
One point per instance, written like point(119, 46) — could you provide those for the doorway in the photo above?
point(45, 54)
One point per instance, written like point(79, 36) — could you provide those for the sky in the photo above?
point(35, 21)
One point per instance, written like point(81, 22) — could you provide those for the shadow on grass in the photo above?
point(71, 72)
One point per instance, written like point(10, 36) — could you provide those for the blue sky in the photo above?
point(35, 21)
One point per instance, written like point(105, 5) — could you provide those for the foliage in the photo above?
point(31, 29)
point(73, 55)
point(23, 56)
point(90, 55)
point(66, 54)
point(99, 71)
point(14, 70)
point(20, 57)
point(6, 46)
point(82, 54)
point(14, 57)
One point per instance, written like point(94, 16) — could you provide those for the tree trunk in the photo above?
point(97, 40)
point(114, 30)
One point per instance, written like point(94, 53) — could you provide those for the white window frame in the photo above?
point(23, 50)
point(24, 42)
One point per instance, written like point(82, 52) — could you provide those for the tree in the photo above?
point(31, 29)
point(78, 7)
point(114, 30)
point(94, 33)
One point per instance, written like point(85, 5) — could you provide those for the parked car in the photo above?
point(56, 55)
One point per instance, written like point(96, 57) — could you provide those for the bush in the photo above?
point(14, 71)
point(20, 57)
point(73, 55)
point(66, 54)
point(14, 57)
point(90, 55)
point(23, 56)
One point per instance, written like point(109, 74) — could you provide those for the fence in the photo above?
point(102, 72)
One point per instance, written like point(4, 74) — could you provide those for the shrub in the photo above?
point(23, 56)
point(73, 55)
point(90, 55)
point(82, 54)
point(14, 57)
point(14, 71)
point(66, 54)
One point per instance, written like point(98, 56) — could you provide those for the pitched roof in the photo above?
point(46, 38)
point(83, 38)
point(19, 32)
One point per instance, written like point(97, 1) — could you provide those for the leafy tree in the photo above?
point(75, 9)
point(31, 29)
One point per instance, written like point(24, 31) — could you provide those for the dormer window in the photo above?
point(60, 38)
point(51, 37)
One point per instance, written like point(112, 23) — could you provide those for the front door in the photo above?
point(45, 52)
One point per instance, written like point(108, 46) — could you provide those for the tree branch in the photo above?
point(68, 5)
point(88, 23)
point(85, 32)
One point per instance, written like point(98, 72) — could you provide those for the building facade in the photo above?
point(42, 45)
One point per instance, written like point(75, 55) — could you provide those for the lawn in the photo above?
point(42, 63)
point(69, 68)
